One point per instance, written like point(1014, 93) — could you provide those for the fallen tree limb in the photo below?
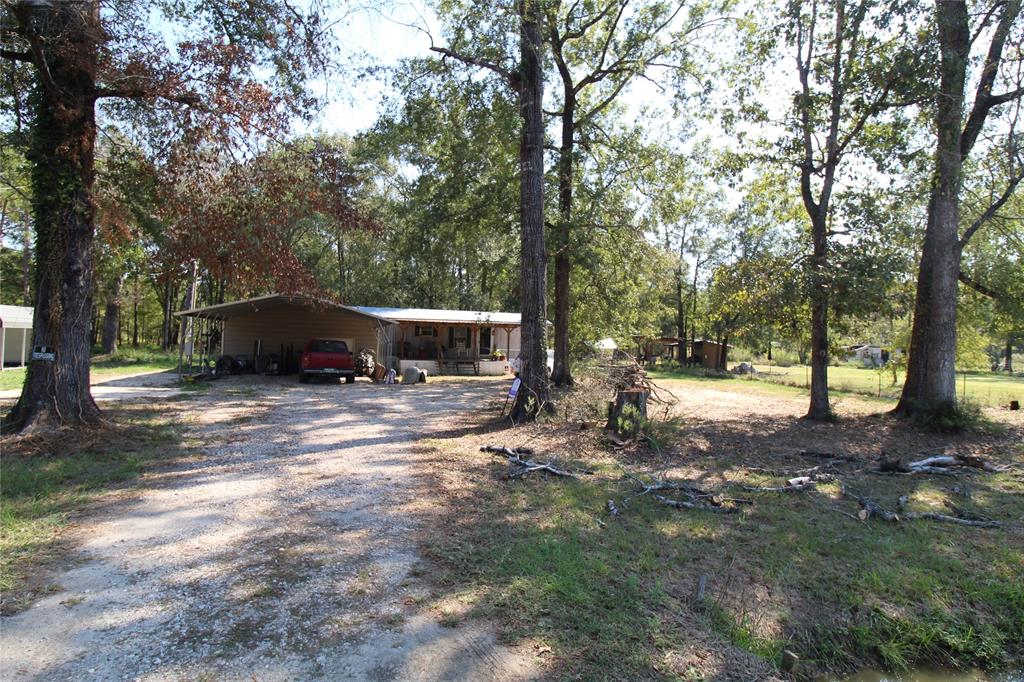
point(869, 508)
point(521, 467)
point(942, 465)
point(684, 504)
point(793, 485)
point(695, 498)
point(935, 516)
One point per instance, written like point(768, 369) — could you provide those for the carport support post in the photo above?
point(24, 342)
point(3, 346)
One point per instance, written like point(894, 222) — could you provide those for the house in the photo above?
point(452, 340)
point(275, 328)
point(869, 355)
point(15, 335)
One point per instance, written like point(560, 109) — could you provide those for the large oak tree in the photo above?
point(212, 72)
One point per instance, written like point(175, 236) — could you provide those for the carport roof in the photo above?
point(434, 315)
point(15, 316)
point(248, 306)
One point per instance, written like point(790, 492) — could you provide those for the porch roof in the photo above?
point(437, 316)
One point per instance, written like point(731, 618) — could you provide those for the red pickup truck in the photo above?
point(327, 358)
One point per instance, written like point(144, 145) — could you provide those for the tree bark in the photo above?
point(135, 311)
point(931, 367)
point(56, 392)
point(112, 315)
point(1008, 354)
point(26, 261)
point(561, 374)
point(533, 394)
point(819, 409)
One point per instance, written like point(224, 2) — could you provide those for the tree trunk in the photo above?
point(26, 261)
point(560, 374)
point(112, 315)
point(64, 131)
point(819, 408)
point(341, 264)
point(533, 265)
point(931, 367)
point(1008, 354)
point(165, 323)
point(135, 312)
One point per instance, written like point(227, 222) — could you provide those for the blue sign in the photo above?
point(515, 387)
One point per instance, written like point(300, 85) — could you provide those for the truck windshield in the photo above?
point(324, 346)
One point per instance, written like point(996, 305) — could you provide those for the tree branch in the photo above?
point(1008, 191)
point(979, 287)
point(16, 56)
point(482, 63)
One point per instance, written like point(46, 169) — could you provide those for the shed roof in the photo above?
point(249, 306)
point(434, 315)
point(15, 316)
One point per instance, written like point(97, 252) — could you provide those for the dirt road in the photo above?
point(285, 551)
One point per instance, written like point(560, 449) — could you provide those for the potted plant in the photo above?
point(497, 354)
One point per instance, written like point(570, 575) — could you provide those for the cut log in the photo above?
point(628, 414)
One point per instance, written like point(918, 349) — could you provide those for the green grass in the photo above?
point(989, 389)
point(612, 596)
point(121, 363)
point(44, 484)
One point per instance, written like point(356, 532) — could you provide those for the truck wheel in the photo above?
point(303, 379)
point(350, 379)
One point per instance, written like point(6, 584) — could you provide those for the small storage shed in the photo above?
point(709, 354)
point(15, 335)
point(280, 325)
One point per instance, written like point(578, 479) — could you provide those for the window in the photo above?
point(326, 346)
point(426, 331)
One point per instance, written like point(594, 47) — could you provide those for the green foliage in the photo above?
point(963, 415)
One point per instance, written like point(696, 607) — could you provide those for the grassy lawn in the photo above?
point(612, 597)
point(121, 363)
point(989, 389)
point(47, 482)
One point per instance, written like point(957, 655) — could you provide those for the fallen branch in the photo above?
point(869, 508)
point(942, 465)
point(793, 485)
point(525, 466)
point(935, 516)
point(696, 498)
point(683, 504)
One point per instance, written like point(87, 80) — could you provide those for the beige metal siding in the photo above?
point(295, 325)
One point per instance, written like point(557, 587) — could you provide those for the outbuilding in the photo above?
point(275, 329)
point(15, 335)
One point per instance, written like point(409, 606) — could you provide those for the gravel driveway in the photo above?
point(285, 551)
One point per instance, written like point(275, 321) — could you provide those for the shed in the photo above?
point(710, 354)
point(15, 334)
point(280, 325)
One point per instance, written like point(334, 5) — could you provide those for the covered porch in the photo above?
point(453, 341)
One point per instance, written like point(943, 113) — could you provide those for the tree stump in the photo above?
point(627, 415)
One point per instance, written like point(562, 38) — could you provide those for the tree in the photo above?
point(614, 47)
point(851, 58)
point(200, 93)
point(526, 79)
point(931, 370)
